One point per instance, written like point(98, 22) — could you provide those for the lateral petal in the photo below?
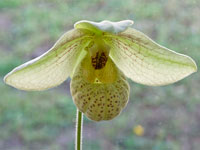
point(146, 62)
point(51, 68)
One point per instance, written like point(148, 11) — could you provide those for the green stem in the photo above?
point(79, 124)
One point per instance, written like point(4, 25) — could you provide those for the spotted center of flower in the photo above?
point(99, 60)
point(101, 94)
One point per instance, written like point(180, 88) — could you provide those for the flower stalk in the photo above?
point(79, 123)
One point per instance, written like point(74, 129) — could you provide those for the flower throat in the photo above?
point(99, 60)
point(99, 53)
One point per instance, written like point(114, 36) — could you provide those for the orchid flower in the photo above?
point(98, 57)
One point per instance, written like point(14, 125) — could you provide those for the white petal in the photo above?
point(107, 26)
point(51, 68)
point(145, 61)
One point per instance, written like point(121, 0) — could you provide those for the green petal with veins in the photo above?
point(145, 61)
point(51, 68)
point(96, 96)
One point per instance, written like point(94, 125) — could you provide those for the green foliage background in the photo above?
point(170, 115)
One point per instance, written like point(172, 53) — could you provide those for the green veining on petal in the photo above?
point(145, 61)
point(149, 51)
point(51, 68)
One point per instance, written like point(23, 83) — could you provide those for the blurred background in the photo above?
point(156, 118)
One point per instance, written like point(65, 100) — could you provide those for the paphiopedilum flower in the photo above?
point(98, 57)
